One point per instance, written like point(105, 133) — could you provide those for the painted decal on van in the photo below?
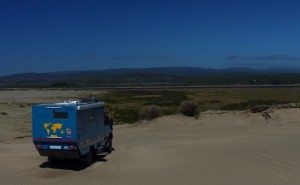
point(69, 131)
point(54, 130)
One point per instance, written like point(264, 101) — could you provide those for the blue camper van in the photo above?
point(72, 129)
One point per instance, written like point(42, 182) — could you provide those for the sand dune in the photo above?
point(220, 147)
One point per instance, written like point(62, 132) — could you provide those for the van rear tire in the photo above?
point(89, 157)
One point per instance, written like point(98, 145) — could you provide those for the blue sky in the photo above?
point(62, 35)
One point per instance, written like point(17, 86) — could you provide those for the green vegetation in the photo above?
point(125, 105)
point(251, 103)
point(124, 114)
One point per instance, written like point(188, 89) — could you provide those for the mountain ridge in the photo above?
point(150, 76)
point(172, 69)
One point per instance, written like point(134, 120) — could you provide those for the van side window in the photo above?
point(60, 115)
point(92, 117)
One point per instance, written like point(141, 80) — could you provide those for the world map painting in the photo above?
point(53, 128)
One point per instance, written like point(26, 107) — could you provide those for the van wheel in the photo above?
point(89, 157)
point(109, 145)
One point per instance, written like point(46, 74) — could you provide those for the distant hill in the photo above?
point(154, 76)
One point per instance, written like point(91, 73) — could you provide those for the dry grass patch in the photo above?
point(150, 112)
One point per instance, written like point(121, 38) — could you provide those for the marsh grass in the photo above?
point(125, 105)
point(251, 103)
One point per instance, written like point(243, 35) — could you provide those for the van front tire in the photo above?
point(109, 148)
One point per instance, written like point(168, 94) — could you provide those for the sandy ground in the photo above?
point(219, 148)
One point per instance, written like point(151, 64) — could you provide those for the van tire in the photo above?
point(109, 148)
point(89, 157)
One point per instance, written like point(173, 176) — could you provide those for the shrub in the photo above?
point(3, 113)
point(150, 112)
point(189, 108)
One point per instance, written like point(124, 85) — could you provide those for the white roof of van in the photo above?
point(79, 106)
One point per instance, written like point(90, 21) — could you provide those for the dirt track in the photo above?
point(174, 150)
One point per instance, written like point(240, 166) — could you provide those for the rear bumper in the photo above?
point(59, 154)
point(57, 148)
